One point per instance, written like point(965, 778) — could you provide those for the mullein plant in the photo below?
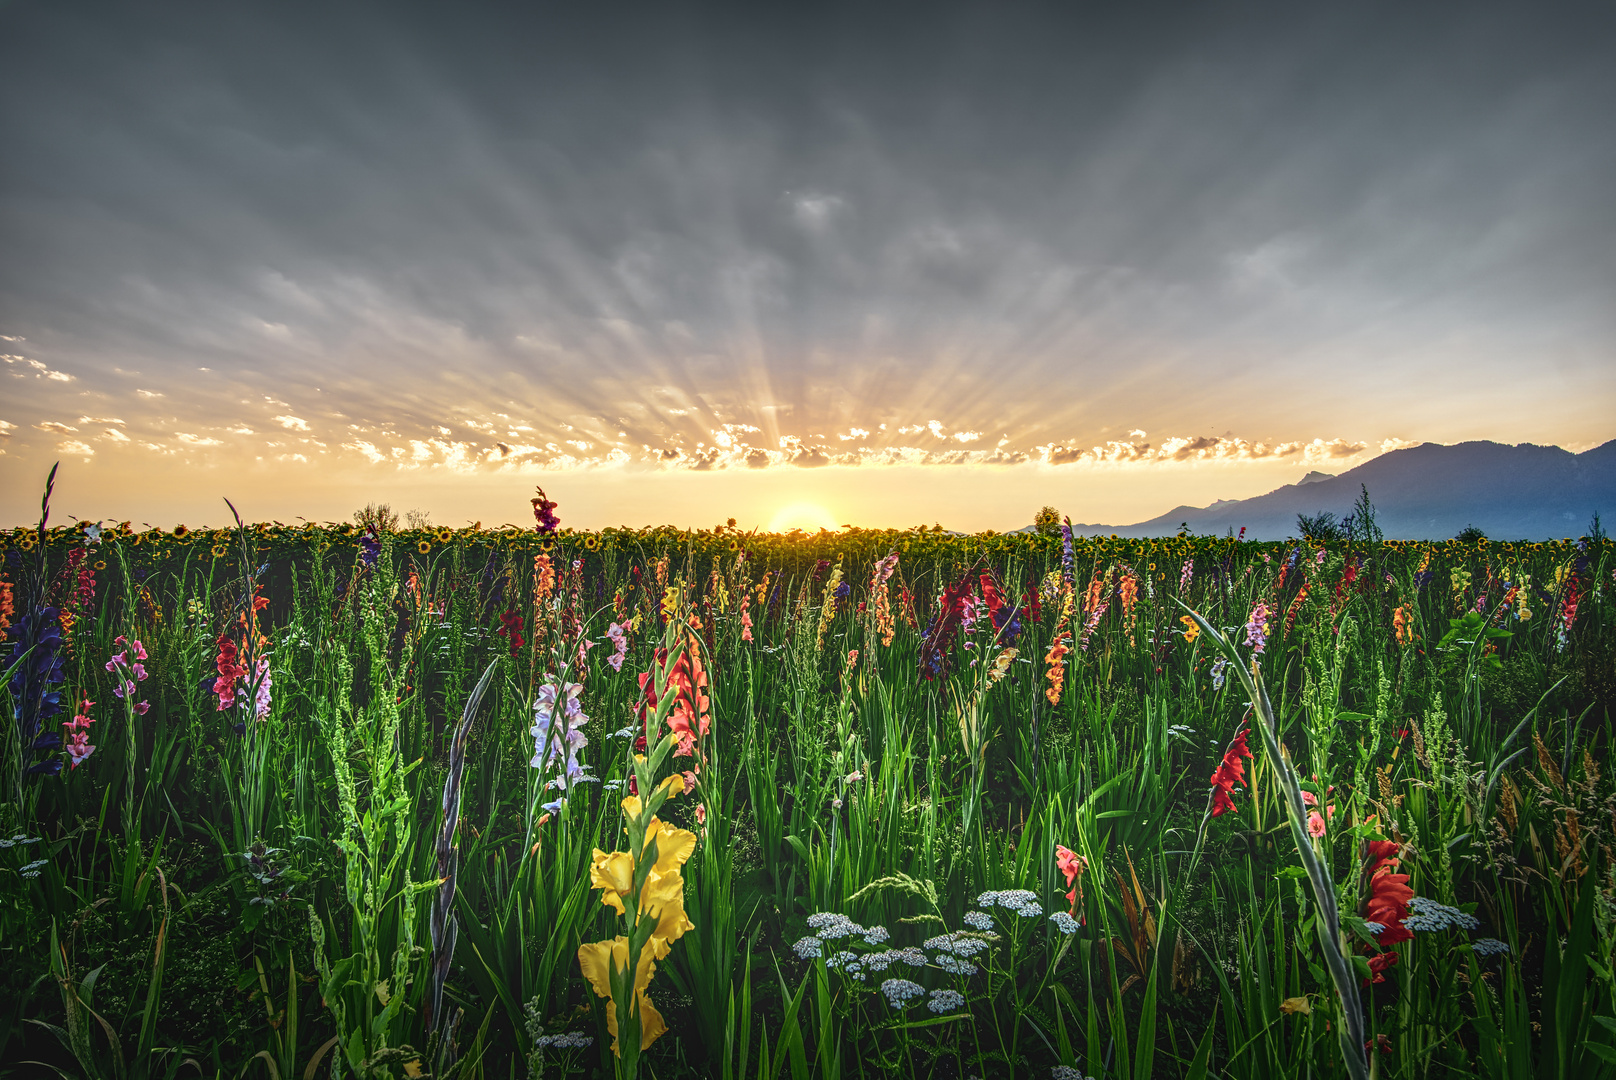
point(1327, 922)
point(644, 884)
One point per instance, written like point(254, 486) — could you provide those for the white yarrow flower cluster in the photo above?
point(571, 1040)
point(1428, 915)
point(828, 925)
point(808, 948)
point(955, 966)
point(1488, 946)
point(1064, 923)
point(957, 942)
point(1020, 901)
point(1066, 1072)
point(900, 992)
point(882, 960)
point(850, 962)
point(941, 1001)
point(979, 920)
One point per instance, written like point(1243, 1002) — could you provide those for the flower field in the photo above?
point(382, 802)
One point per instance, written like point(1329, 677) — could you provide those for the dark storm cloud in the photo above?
point(537, 229)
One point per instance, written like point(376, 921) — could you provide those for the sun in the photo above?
point(807, 516)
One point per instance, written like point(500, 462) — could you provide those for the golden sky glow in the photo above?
point(692, 267)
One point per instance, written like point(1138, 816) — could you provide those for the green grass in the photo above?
point(218, 902)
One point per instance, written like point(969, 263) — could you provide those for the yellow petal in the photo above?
point(663, 898)
point(1295, 1005)
point(614, 875)
point(673, 845)
point(594, 958)
point(651, 1025)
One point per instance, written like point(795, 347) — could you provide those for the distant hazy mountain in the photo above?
point(1427, 492)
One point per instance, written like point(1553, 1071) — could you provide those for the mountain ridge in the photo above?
point(1425, 492)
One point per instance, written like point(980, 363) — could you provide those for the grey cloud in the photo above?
point(1020, 222)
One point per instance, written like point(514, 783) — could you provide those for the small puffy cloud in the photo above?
point(1198, 448)
point(114, 435)
point(6, 428)
point(1335, 449)
point(148, 393)
point(814, 211)
point(196, 440)
point(1388, 445)
point(291, 423)
point(101, 420)
point(55, 428)
point(22, 365)
point(966, 436)
point(1136, 433)
point(368, 449)
point(74, 446)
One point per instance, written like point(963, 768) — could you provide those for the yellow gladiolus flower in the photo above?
point(614, 875)
point(595, 959)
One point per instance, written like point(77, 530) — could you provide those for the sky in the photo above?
point(881, 265)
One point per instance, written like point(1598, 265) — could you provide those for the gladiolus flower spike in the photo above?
point(643, 884)
point(1327, 923)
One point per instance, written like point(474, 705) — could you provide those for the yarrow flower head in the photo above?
point(942, 1001)
point(1065, 923)
point(1489, 947)
point(829, 925)
point(1428, 915)
point(979, 920)
point(957, 943)
point(900, 992)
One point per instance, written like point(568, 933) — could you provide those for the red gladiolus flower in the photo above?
point(1231, 771)
point(510, 628)
point(229, 671)
point(1073, 865)
point(688, 684)
point(1389, 893)
point(1378, 965)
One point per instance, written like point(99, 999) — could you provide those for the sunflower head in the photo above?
point(591, 541)
point(424, 547)
point(181, 532)
point(219, 551)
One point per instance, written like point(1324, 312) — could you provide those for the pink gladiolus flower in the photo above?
point(1315, 825)
point(619, 641)
point(79, 748)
